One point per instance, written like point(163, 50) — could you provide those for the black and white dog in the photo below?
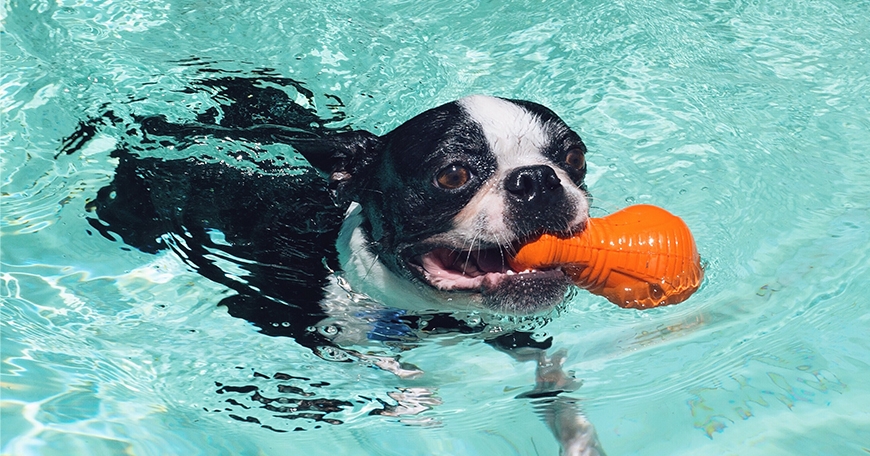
point(447, 196)
point(420, 220)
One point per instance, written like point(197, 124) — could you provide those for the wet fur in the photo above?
point(283, 221)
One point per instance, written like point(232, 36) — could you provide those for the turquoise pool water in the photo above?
point(748, 119)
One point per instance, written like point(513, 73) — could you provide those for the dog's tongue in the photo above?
point(448, 269)
point(471, 264)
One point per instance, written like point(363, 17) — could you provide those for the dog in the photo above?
point(422, 218)
point(420, 221)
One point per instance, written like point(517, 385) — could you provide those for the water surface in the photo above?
point(747, 119)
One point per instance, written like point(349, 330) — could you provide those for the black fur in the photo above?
point(281, 221)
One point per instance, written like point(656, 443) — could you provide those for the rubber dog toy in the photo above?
point(640, 257)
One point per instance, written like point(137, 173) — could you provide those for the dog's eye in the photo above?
point(453, 177)
point(576, 159)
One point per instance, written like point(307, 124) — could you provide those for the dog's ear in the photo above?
point(344, 157)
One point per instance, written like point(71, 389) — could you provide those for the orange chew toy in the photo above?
point(640, 257)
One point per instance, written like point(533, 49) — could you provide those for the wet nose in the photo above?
point(538, 184)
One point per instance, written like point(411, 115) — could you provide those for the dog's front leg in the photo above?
point(575, 433)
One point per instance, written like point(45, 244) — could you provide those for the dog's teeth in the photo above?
point(510, 272)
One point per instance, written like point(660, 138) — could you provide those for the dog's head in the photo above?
point(448, 195)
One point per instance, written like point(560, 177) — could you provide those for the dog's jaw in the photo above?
point(486, 273)
point(403, 281)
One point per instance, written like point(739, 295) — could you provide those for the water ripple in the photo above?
point(747, 119)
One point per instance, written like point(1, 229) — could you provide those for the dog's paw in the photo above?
point(550, 378)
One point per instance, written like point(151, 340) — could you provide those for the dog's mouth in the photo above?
point(485, 274)
point(476, 270)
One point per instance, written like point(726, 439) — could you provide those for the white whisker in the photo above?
point(470, 250)
point(501, 248)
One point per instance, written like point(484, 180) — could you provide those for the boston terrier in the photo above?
point(417, 224)
point(421, 219)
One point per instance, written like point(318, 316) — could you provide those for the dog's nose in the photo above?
point(537, 183)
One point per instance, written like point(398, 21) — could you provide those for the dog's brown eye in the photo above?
point(576, 159)
point(453, 177)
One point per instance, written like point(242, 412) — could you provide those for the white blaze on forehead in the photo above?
point(515, 135)
point(517, 138)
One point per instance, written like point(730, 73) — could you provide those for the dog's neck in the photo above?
point(362, 270)
point(366, 275)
